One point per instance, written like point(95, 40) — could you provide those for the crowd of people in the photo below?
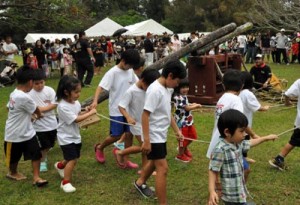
point(140, 103)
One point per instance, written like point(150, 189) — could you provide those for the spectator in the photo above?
point(281, 41)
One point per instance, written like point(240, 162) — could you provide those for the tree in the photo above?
point(131, 17)
point(276, 14)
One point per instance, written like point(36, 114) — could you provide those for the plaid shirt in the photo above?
point(227, 159)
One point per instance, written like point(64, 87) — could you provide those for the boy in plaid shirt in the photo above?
point(227, 158)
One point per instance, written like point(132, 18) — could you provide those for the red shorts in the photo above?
point(188, 132)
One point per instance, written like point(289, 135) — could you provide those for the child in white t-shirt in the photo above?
point(117, 80)
point(278, 161)
point(20, 137)
point(68, 134)
point(131, 106)
point(45, 127)
point(156, 119)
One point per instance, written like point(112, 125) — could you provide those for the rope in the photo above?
point(289, 130)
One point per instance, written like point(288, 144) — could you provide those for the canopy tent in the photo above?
point(144, 27)
point(106, 27)
point(33, 37)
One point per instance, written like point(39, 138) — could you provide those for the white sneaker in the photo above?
point(68, 188)
point(60, 171)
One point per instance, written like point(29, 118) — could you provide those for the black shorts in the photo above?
point(30, 149)
point(295, 138)
point(158, 151)
point(71, 151)
point(47, 139)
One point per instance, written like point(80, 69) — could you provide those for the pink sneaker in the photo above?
point(99, 155)
point(131, 165)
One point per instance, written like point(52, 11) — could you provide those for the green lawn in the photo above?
point(187, 183)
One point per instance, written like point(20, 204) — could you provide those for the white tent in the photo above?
point(33, 37)
point(106, 27)
point(144, 27)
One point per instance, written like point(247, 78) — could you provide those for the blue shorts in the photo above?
point(245, 164)
point(117, 129)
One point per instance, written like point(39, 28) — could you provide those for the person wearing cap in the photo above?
point(281, 42)
point(149, 49)
point(261, 73)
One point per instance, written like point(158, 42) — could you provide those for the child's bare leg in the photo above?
point(128, 143)
point(108, 141)
point(246, 174)
point(146, 173)
point(36, 170)
point(161, 166)
point(286, 150)
point(44, 155)
point(69, 166)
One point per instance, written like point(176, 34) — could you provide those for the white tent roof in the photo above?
point(33, 37)
point(144, 27)
point(106, 27)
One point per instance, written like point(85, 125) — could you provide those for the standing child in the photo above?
point(68, 135)
point(278, 161)
point(295, 50)
point(156, 119)
point(226, 158)
point(20, 137)
point(44, 97)
point(131, 106)
point(184, 120)
point(117, 80)
point(67, 59)
point(32, 61)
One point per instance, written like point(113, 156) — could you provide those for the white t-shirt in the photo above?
point(68, 130)
point(117, 82)
point(18, 126)
point(8, 48)
point(158, 103)
point(242, 40)
point(250, 104)
point(133, 101)
point(42, 99)
point(226, 102)
point(294, 91)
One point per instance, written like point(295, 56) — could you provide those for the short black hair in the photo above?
point(148, 76)
point(81, 33)
point(25, 74)
point(131, 57)
point(39, 74)
point(140, 64)
point(231, 119)
point(67, 83)
point(232, 80)
point(176, 68)
point(247, 80)
point(183, 83)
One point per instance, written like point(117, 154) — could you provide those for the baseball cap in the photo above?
point(282, 30)
point(258, 56)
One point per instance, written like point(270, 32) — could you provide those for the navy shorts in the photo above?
point(71, 151)
point(117, 129)
point(47, 139)
point(30, 149)
point(295, 138)
point(245, 164)
point(158, 151)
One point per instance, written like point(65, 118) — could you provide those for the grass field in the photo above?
point(187, 183)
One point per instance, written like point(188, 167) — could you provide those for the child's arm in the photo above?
point(257, 141)
point(264, 108)
point(38, 114)
point(146, 146)
point(287, 100)
point(95, 101)
point(192, 106)
point(175, 128)
point(83, 116)
point(129, 119)
point(213, 196)
point(48, 107)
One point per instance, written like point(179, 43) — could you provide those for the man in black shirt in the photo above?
point(84, 60)
point(261, 73)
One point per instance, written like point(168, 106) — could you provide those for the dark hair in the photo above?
point(232, 80)
point(231, 119)
point(81, 33)
point(65, 48)
point(148, 76)
point(39, 74)
point(176, 68)
point(66, 84)
point(247, 79)
point(25, 74)
point(140, 64)
point(183, 83)
point(131, 57)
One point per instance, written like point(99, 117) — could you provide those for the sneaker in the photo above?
point(278, 165)
point(131, 165)
point(43, 167)
point(188, 153)
point(68, 188)
point(144, 190)
point(117, 157)
point(99, 155)
point(183, 158)
point(120, 146)
point(60, 171)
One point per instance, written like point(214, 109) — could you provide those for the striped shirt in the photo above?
point(227, 159)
